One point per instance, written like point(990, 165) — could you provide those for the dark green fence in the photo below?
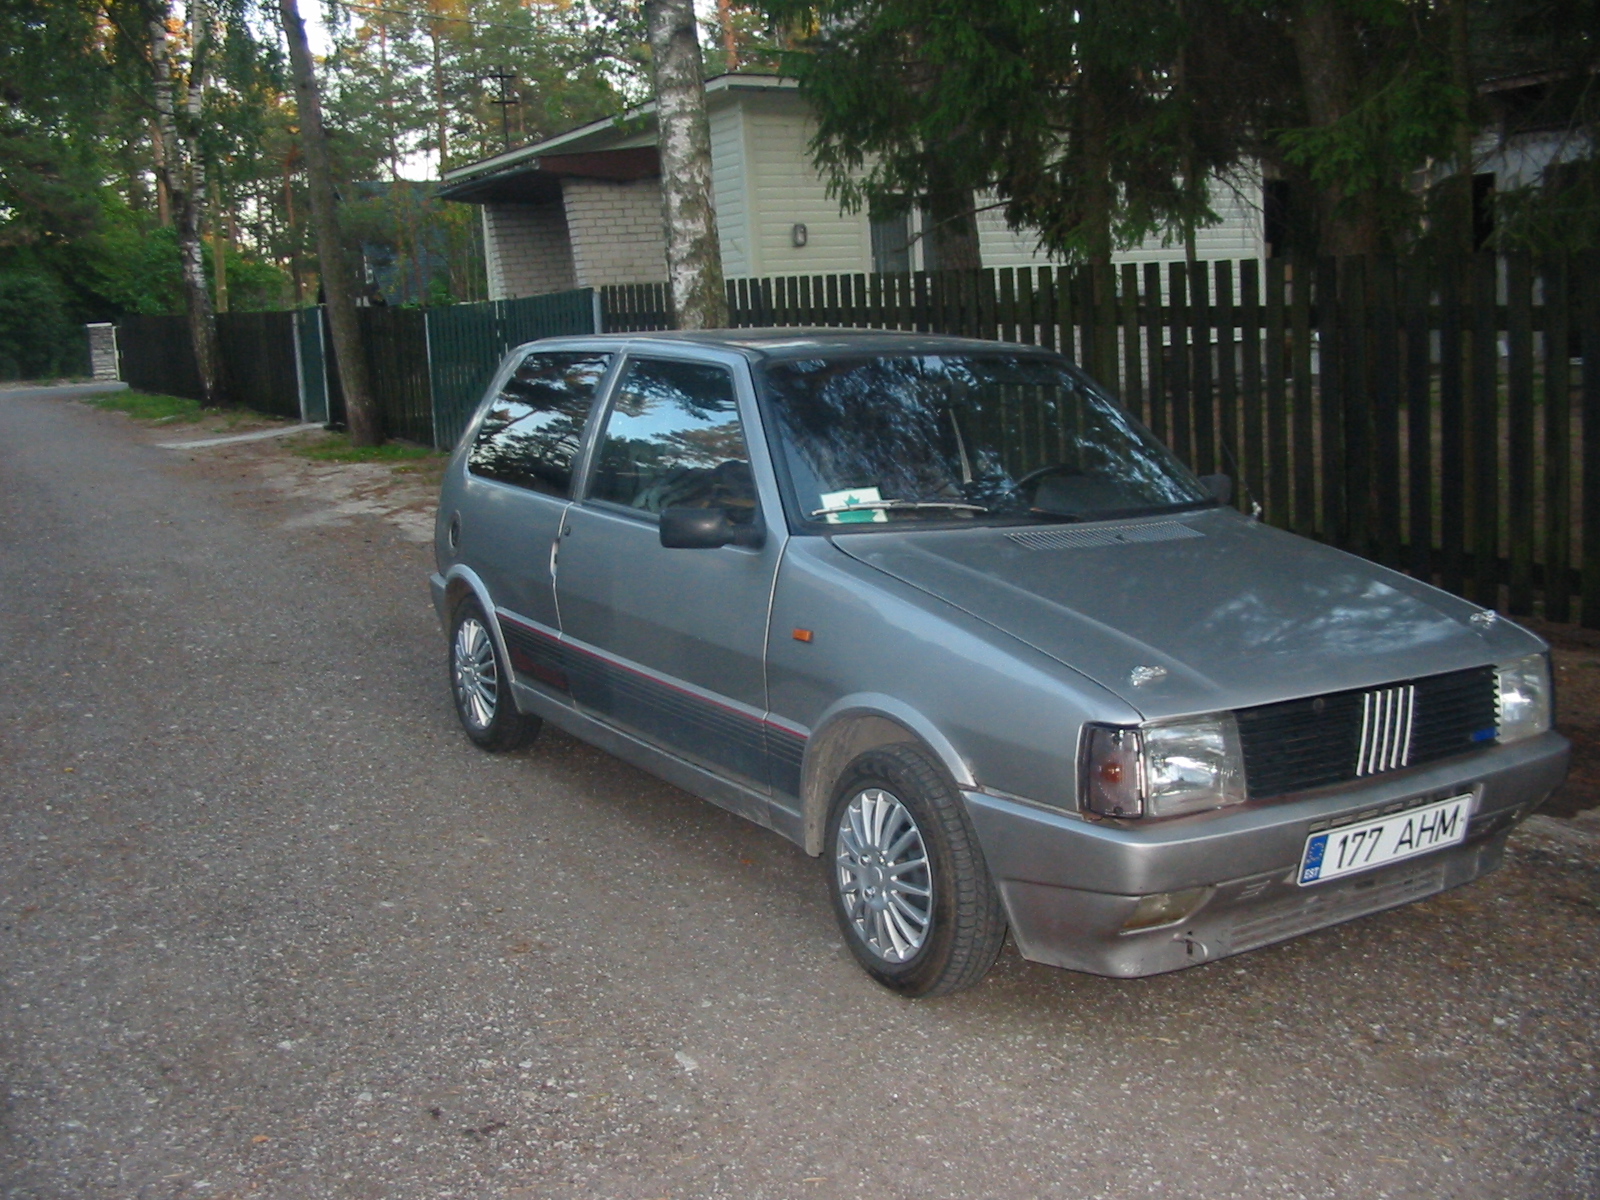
point(155, 355)
point(467, 341)
point(396, 342)
point(260, 353)
point(427, 367)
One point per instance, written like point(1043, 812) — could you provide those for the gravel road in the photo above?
point(273, 928)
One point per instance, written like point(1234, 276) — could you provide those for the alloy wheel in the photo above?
point(476, 678)
point(885, 880)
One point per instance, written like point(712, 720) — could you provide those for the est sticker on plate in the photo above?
point(1352, 848)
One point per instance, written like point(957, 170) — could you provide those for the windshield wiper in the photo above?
point(897, 506)
point(1123, 514)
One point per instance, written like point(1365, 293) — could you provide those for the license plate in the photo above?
point(1361, 847)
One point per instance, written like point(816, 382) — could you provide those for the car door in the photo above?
point(519, 473)
point(670, 643)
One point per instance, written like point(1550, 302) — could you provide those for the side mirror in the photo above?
point(1220, 487)
point(706, 529)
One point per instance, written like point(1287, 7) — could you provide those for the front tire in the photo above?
point(908, 882)
point(481, 685)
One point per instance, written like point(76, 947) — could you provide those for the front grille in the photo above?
point(1322, 740)
point(1385, 741)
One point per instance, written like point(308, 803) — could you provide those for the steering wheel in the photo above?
point(1034, 476)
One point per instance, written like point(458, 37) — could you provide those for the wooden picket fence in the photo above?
point(1429, 415)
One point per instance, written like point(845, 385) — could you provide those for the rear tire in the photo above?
point(909, 886)
point(481, 684)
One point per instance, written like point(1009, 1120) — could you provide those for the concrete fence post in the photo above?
point(103, 350)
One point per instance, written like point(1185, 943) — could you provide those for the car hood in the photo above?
point(1210, 611)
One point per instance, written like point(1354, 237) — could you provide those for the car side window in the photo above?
point(533, 429)
point(673, 439)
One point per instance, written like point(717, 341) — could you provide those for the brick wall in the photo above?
point(616, 231)
point(527, 250)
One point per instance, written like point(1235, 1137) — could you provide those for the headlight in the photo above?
point(1162, 770)
point(1524, 688)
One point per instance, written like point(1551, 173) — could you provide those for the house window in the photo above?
point(891, 243)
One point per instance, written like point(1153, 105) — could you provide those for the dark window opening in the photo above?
point(1275, 217)
point(1482, 210)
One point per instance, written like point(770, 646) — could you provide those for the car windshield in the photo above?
point(868, 440)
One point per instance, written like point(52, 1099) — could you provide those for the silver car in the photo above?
point(941, 612)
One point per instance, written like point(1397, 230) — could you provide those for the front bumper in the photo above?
point(1070, 885)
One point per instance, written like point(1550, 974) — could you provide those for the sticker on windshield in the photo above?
point(849, 498)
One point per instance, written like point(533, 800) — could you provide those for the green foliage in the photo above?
point(253, 284)
point(135, 269)
point(403, 69)
point(1559, 214)
point(1405, 121)
point(1064, 108)
point(1067, 108)
point(37, 338)
point(147, 406)
point(54, 91)
point(424, 248)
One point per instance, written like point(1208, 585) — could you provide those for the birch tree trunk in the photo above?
point(694, 257)
point(182, 174)
point(360, 413)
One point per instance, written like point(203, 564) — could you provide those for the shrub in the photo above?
point(37, 340)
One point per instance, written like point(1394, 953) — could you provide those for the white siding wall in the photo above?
point(785, 190)
point(1521, 159)
point(526, 250)
point(616, 231)
point(763, 185)
point(1239, 235)
point(730, 176)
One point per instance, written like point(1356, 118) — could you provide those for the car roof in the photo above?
point(814, 342)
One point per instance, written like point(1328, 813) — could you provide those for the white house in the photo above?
point(583, 209)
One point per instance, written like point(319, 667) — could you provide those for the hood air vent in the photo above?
point(1118, 535)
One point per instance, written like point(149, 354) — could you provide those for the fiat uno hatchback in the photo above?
point(941, 612)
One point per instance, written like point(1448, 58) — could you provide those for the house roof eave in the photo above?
point(524, 158)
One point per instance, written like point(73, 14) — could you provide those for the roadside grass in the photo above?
point(147, 406)
point(336, 447)
point(154, 408)
point(403, 457)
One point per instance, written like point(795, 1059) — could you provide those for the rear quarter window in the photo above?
point(534, 427)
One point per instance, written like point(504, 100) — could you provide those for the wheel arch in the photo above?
point(849, 731)
point(461, 582)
